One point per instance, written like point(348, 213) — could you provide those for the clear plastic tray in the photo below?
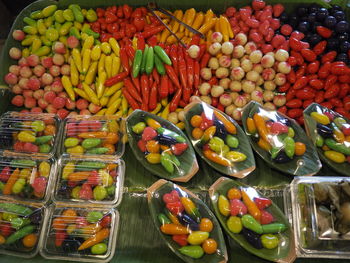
point(89, 181)
point(29, 133)
point(93, 136)
point(319, 225)
point(26, 218)
point(24, 178)
point(76, 225)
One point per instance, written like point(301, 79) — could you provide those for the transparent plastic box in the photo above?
point(29, 133)
point(93, 136)
point(319, 209)
point(26, 179)
point(70, 230)
point(21, 227)
point(89, 181)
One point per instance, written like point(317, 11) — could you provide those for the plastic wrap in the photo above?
point(219, 140)
point(25, 178)
point(280, 141)
point(330, 132)
point(252, 220)
point(186, 224)
point(93, 136)
point(89, 181)
point(29, 133)
point(81, 234)
point(161, 147)
point(320, 213)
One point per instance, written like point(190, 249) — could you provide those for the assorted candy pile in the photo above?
point(20, 227)
point(87, 180)
point(79, 232)
point(24, 178)
point(159, 144)
point(182, 220)
point(251, 218)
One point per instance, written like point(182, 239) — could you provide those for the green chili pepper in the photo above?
point(78, 15)
point(64, 30)
point(143, 63)
point(22, 163)
point(274, 228)
point(192, 251)
point(90, 32)
point(163, 219)
point(28, 40)
point(16, 209)
point(162, 55)
point(30, 30)
point(91, 143)
point(159, 65)
point(289, 146)
point(91, 15)
point(100, 150)
point(319, 141)
point(43, 139)
point(274, 152)
point(36, 15)
point(44, 148)
point(68, 15)
point(89, 166)
point(43, 51)
point(58, 15)
point(19, 222)
point(49, 10)
point(172, 134)
point(41, 27)
point(136, 65)
point(73, 31)
point(167, 163)
point(29, 21)
point(48, 21)
point(338, 147)
point(26, 230)
point(175, 160)
point(249, 222)
point(149, 61)
point(18, 186)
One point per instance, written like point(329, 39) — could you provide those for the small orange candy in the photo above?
point(29, 240)
point(300, 148)
point(59, 223)
point(209, 246)
point(197, 133)
point(234, 193)
point(50, 130)
point(196, 120)
point(206, 225)
point(152, 146)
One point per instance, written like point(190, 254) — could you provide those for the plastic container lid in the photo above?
point(23, 225)
point(29, 133)
point(93, 136)
point(69, 228)
point(89, 181)
point(321, 216)
point(24, 178)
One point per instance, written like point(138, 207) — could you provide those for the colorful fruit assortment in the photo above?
point(333, 134)
point(182, 220)
point(275, 136)
point(28, 133)
point(216, 137)
point(159, 144)
point(80, 232)
point(24, 178)
point(20, 227)
point(250, 217)
point(93, 136)
point(88, 180)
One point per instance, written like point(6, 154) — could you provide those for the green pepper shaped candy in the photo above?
point(49, 10)
point(338, 147)
point(30, 30)
point(175, 160)
point(48, 21)
point(29, 21)
point(22, 163)
point(249, 222)
point(91, 143)
point(319, 140)
point(44, 148)
point(149, 61)
point(289, 147)
point(41, 27)
point(167, 163)
point(136, 65)
point(143, 62)
point(58, 15)
point(100, 150)
point(73, 31)
point(78, 15)
point(43, 139)
point(192, 251)
point(274, 152)
point(64, 30)
point(43, 51)
point(91, 32)
point(163, 219)
point(36, 15)
point(26, 230)
point(16, 209)
point(190, 208)
point(19, 222)
point(162, 55)
point(68, 15)
point(159, 65)
point(91, 15)
point(89, 166)
point(172, 134)
point(274, 228)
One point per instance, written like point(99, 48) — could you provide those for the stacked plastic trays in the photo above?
point(28, 143)
point(83, 221)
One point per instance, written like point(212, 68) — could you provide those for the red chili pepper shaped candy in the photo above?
point(327, 104)
point(346, 130)
point(174, 59)
point(152, 31)
point(294, 103)
point(115, 79)
point(331, 79)
point(300, 72)
point(172, 75)
point(60, 236)
point(324, 70)
point(182, 68)
point(171, 87)
point(196, 74)
point(180, 239)
point(220, 107)
point(346, 102)
point(292, 61)
point(110, 17)
point(285, 87)
point(316, 83)
point(308, 55)
point(320, 47)
point(294, 113)
point(304, 94)
point(290, 94)
point(140, 42)
point(332, 91)
point(299, 58)
point(324, 31)
point(282, 110)
point(120, 12)
point(202, 49)
point(214, 101)
point(205, 60)
point(344, 89)
point(213, 81)
point(195, 40)
point(306, 103)
point(300, 120)
point(127, 10)
point(344, 78)
point(130, 51)
point(163, 89)
point(300, 83)
point(132, 102)
point(124, 59)
point(339, 69)
point(153, 97)
point(319, 96)
point(329, 57)
point(295, 44)
point(175, 101)
point(262, 203)
point(336, 102)
point(190, 71)
point(313, 67)
point(132, 90)
point(291, 76)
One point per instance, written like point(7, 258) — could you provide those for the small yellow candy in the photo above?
point(224, 205)
point(320, 118)
point(335, 156)
point(77, 149)
point(153, 158)
point(234, 156)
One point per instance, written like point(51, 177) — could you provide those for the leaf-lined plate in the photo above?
point(311, 131)
point(188, 163)
point(285, 252)
point(306, 164)
point(157, 206)
point(236, 169)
